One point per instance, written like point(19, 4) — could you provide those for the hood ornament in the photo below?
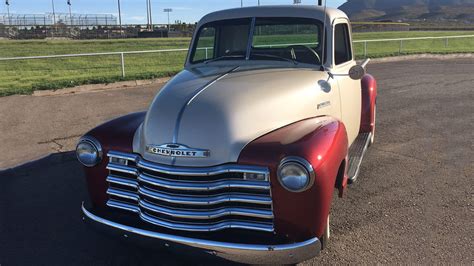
point(177, 150)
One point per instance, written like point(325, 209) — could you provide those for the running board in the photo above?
point(356, 155)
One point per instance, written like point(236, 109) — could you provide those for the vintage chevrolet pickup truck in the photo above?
point(239, 155)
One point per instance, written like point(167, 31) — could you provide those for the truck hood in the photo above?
point(220, 110)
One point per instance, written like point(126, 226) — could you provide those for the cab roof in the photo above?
point(297, 11)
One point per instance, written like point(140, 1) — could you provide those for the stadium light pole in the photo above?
point(148, 14)
point(120, 17)
point(241, 3)
point(258, 2)
point(168, 10)
point(54, 12)
point(7, 2)
point(151, 14)
point(70, 11)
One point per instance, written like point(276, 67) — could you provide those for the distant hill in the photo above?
point(409, 10)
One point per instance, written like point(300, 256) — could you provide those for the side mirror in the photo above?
point(357, 72)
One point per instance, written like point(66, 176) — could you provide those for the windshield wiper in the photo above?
point(278, 57)
point(223, 57)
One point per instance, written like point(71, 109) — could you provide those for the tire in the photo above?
point(327, 235)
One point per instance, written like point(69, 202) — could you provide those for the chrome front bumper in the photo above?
point(242, 253)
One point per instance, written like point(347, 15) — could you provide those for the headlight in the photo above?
point(296, 174)
point(89, 151)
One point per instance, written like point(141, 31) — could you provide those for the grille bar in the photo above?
point(123, 206)
point(208, 228)
point(123, 182)
point(187, 200)
point(208, 186)
point(123, 194)
point(207, 214)
point(191, 199)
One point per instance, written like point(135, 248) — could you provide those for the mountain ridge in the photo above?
point(409, 10)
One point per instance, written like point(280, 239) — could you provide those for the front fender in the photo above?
point(114, 135)
point(323, 142)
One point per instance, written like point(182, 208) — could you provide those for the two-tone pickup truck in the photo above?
point(239, 155)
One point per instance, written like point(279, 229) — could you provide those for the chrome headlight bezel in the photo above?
point(96, 149)
point(306, 168)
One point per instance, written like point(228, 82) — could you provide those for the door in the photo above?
point(349, 89)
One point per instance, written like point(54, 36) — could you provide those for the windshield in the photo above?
point(282, 39)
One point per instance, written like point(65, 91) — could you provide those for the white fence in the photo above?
point(402, 40)
point(121, 55)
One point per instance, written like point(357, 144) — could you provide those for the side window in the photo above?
point(205, 46)
point(342, 46)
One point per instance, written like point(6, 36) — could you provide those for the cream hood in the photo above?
point(222, 109)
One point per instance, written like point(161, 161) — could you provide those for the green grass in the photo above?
point(24, 77)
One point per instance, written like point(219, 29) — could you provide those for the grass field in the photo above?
point(23, 77)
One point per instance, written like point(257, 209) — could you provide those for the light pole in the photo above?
point(8, 12)
point(70, 11)
point(120, 17)
point(168, 10)
point(241, 3)
point(54, 12)
point(151, 15)
point(258, 2)
point(147, 14)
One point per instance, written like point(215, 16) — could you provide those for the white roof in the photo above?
point(297, 11)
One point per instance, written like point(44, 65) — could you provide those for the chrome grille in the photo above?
point(191, 199)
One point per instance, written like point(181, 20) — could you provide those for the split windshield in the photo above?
point(295, 40)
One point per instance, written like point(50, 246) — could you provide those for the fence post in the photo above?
point(446, 43)
point(365, 49)
point(206, 53)
point(122, 60)
point(401, 47)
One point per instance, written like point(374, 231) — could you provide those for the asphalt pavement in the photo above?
point(412, 203)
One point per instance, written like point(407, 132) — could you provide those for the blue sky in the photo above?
point(134, 11)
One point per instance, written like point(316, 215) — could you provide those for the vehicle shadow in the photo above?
point(41, 221)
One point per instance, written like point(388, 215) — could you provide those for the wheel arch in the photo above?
point(323, 142)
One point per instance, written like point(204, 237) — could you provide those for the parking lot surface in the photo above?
point(412, 202)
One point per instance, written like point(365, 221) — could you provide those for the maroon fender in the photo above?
point(113, 135)
point(321, 141)
point(369, 99)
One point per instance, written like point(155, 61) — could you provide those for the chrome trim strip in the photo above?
point(125, 156)
point(123, 194)
point(208, 227)
point(122, 169)
point(174, 170)
point(204, 215)
point(190, 171)
point(122, 181)
point(193, 96)
point(123, 206)
point(210, 186)
point(243, 253)
point(206, 200)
